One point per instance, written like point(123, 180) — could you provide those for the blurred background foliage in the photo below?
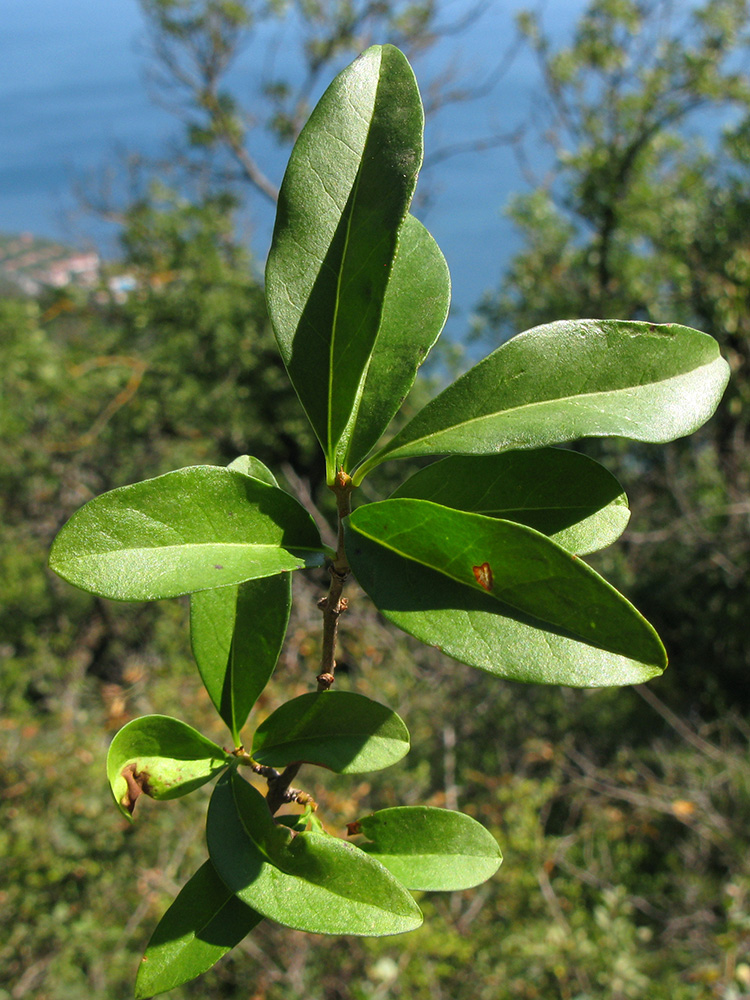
point(622, 815)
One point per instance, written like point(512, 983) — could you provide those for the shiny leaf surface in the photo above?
point(345, 194)
point(430, 849)
point(204, 922)
point(190, 530)
point(568, 380)
point(308, 881)
point(340, 730)
point(236, 633)
point(563, 494)
point(499, 596)
point(414, 312)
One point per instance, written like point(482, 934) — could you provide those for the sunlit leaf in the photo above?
point(205, 921)
point(563, 494)
point(248, 465)
point(568, 380)
point(499, 596)
point(345, 194)
point(343, 731)
point(308, 881)
point(194, 529)
point(414, 312)
point(162, 757)
point(236, 635)
point(431, 849)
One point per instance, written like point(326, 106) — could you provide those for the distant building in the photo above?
point(33, 264)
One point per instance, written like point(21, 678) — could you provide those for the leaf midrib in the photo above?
point(76, 559)
point(317, 885)
point(373, 850)
point(536, 403)
point(329, 739)
point(465, 583)
point(339, 278)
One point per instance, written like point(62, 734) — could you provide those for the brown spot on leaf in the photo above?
point(217, 566)
point(137, 783)
point(352, 829)
point(483, 576)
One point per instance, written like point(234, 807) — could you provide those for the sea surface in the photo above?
point(74, 100)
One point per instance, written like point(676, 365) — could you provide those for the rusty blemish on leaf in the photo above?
point(217, 566)
point(483, 576)
point(137, 783)
point(352, 829)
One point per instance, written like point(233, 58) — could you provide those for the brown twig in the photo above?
point(333, 604)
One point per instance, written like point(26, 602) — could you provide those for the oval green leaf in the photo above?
point(236, 634)
point(205, 921)
point(433, 573)
point(568, 380)
point(563, 494)
point(308, 881)
point(190, 530)
point(335, 235)
point(162, 757)
point(340, 730)
point(430, 849)
point(414, 312)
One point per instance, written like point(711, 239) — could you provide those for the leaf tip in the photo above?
point(137, 784)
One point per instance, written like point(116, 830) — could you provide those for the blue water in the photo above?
point(73, 94)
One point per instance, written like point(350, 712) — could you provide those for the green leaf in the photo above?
point(194, 529)
point(340, 730)
point(345, 194)
point(253, 467)
point(542, 616)
point(563, 494)
point(161, 757)
point(205, 921)
point(308, 881)
point(236, 634)
point(414, 312)
point(568, 380)
point(430, 849)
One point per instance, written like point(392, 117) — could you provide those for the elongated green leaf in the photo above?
point(205, 921)
point(308, 881)
point(236, 634)
point(194, 529)
point(346, 192)
point(449, 577)
point(161, 757)
point(340, 730)
point(567, 380)
point(563, 494)
point(414, 312)
point(430, 849)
